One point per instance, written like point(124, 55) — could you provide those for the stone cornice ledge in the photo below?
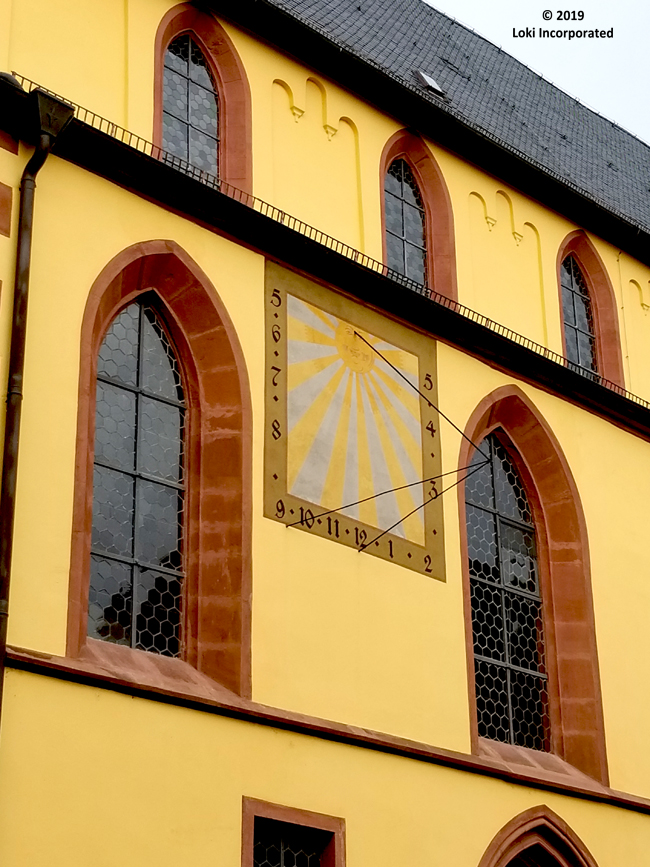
point(176, 683)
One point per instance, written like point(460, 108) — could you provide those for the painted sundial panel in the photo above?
point(349, 440)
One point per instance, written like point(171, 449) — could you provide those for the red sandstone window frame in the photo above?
point(217, 594)
point(439, 220)
point(541, 834)
point(609, 359)
point(333, 854)
point(6, 200)
point(575, 702)
point(231, 84)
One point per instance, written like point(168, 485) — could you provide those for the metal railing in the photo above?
point(144, 146)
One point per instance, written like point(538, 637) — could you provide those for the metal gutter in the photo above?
point(51, 116)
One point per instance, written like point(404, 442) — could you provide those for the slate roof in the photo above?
point(493, 92)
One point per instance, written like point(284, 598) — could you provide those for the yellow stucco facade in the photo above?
point(92, 774)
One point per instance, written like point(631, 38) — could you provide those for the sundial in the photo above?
point(352, 442)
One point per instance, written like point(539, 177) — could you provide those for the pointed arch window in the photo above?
point(506, 605)
point(136, 582)
point(405, 223)
point(579, 326)
point(190, 106)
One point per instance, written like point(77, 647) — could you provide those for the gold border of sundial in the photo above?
point(289, 509)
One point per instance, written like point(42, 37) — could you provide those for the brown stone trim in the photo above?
point(8, 142)
point(577, 724)
point(541, 834)
point(6, 197)
point(218, 506)
point(603, 301)
point(205, 696)
point(439, 218)
point(235, 116)
point(333, 854)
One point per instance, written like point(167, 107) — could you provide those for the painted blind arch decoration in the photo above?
point(226, 71)
point(575, 704)
point(216, 464)
point(582, 273)
point(440, 259)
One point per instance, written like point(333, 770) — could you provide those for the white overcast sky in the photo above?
point(611, 76)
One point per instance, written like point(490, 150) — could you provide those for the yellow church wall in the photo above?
point(336, 634)
point(316, 147)
point(316, 153)
point(75, 49)
point(110, 777)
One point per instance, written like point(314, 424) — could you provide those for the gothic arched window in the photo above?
point(190, 106)
point(579, 326)
point(405, 223)
point(138, 487)
point(507, 622)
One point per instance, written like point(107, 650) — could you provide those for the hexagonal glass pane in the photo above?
point(118, 354)
point(158, 602)
point(158, 524)
point(113, 503)
point(115, 426)
point(109, 600)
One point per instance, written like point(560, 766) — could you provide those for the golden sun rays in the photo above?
point(354, 425)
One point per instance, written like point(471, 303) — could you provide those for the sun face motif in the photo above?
point(354, 422)
point(356, 354)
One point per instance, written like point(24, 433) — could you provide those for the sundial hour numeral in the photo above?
point(360, 536)
point(274, 376)
point(279, 509)
point(428, 382)
point(276, 433)
point(276, 334)
point(333, 527)
point(431, 429)
point(276, 299)
point(306, 517)
point(390, 548)
point(427, 563)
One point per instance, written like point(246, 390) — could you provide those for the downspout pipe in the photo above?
point(51, 115)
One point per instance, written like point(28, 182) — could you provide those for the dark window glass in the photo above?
point(405, 225)
point(507, 622)
point(283, 844)
point(136, 560)
point(190, 107)
point(579, 331)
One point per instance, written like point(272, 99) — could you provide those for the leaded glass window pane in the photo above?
point(507, 622)
point(137, 534)
point(405, 223)
point(579, 330)
point(283, 844)
point(190, 106)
